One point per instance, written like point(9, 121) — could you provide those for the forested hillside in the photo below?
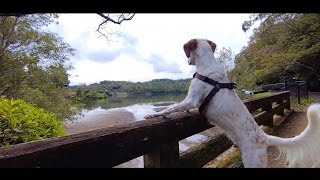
point(283, 46)
point(105, 89)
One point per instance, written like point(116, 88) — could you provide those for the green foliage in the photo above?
point(21, 122)
point(33, 63)
point(86, 93)
point(105, 89)
point(283, 46)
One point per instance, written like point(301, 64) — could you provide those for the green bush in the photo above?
point(21, 122)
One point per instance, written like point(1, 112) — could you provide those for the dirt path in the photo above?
point(292, 127)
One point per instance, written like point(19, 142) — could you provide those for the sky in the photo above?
point(150, 46)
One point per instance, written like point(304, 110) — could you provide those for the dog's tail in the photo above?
point(304, 149)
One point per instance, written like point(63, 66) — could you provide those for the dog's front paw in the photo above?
point(155, 115)
point(148, 116)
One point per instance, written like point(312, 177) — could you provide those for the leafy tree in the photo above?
point(33, 63)
point(283, 46)
point(21, 122)
point(225, 57)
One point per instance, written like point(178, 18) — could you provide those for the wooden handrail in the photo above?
point(157, 139)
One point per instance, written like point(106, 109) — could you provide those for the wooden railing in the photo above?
point(157, 140)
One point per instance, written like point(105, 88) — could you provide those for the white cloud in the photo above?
point(145, 36)
point(89, 71)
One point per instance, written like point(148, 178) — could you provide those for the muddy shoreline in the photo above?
point(100, 120)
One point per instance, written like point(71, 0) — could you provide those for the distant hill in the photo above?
point(104, 89)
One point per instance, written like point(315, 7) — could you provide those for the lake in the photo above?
point(121, 110)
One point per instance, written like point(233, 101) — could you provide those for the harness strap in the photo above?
point(207, 99)
point(216, 87)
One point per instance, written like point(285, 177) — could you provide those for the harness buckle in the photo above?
point(234, 86)
point(217, 86)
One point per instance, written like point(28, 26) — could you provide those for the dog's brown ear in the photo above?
point(189, 46)
point(213, 45)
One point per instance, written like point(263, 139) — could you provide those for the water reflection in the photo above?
point(119, 102)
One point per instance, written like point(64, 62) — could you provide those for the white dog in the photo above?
point(226, 110)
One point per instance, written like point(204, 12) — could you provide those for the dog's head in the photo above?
point(197, 48)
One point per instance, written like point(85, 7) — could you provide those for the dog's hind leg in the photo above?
point(254, 157)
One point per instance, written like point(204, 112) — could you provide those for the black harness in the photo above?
point(216, 87)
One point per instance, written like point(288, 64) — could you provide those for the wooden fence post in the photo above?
point(280, 102)
point(167, 156)
point(306, 84)
point(298, 86)
point(268, 108)
point(285, 84)
point(287, 104)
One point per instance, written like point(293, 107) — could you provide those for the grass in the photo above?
point(262, 94)
point(303, 102)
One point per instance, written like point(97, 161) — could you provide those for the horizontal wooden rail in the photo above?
point(156, 138)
